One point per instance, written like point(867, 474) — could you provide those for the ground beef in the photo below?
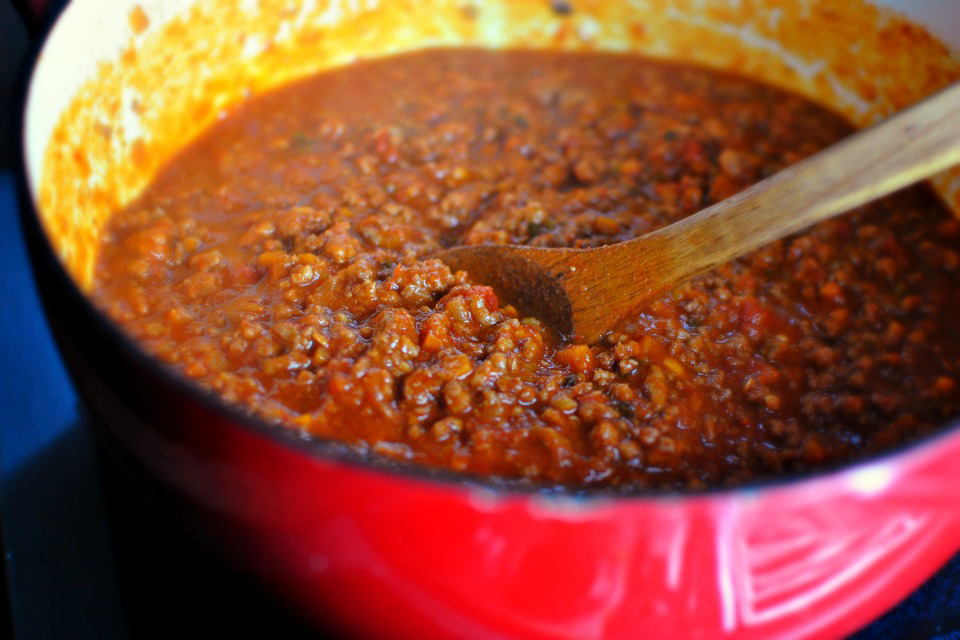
point(284, 261)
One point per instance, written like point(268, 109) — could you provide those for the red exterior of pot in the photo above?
point(379, 553)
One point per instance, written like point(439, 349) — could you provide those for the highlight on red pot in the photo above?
point(259, 216)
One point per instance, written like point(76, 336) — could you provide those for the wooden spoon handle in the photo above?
point(897, 152)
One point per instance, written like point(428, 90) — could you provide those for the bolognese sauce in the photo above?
point(283, 261)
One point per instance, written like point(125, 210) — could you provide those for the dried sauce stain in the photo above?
point(138, 19)
point(283, 261)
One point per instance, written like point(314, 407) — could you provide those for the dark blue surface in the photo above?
point(84, 559)
point(58, 545)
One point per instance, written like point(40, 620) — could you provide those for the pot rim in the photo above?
point(331, 451)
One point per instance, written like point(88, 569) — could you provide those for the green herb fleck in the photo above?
point(299, 140)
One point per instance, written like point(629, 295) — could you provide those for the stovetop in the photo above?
point(86, 559)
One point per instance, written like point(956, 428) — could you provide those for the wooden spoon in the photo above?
point(583, 293)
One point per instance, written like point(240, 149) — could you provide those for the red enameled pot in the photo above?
point(380, 549)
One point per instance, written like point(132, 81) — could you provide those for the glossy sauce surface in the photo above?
point(283, 261)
